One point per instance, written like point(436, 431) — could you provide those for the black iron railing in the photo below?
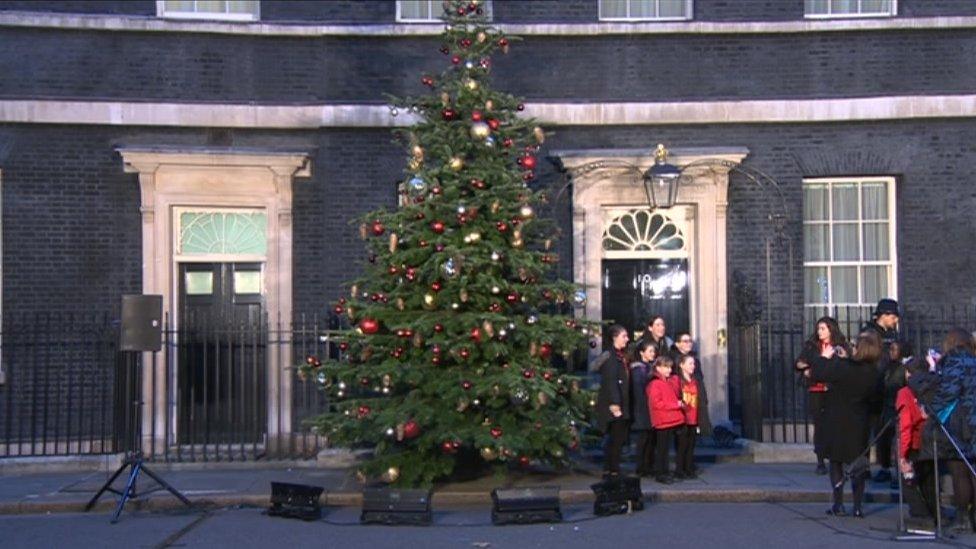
point(220, 388)
point(766, 394)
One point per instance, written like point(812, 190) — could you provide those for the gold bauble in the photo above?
point(391, 475)
point(480, 130)
point(463, 295)
point(456, 163)
point(471, 84)
point(429, 300)
point(418, 152)
point(495, 206)
point(526, 211)
point(414, 165)
point(361, 476)
point(481, 36)
point(394, 240)
point(540, 136)
point(400, 304)
point(354, 290)
point(387, 380)
point(488, 328)
point(488, 454)
point(542, 398)
point(489, 105)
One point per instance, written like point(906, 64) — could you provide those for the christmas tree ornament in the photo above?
point(427, 81)
point(437, 227)
point(438, 328)
point(512, 298)
point(462, 404)
point(418, 340)
point(394, 240)
point(526, 212)
point(391, 475)
point(528, 373)
point(448, 447)
point(545, 351)
point(390, 432)
point(507, 143)
point(449, 268)
point(394, 111)
point(417, 185)
point(456, 163)
point(480, 130)
point(495, 289)
point(475, 334)
point(489, 105)
point(343, 346)
point(488, 453)
point(363, 411)
point(429, 300)
point(448, 114)
point(542, 398)
point(495, 256)
point(540, 136)
point(463, 294)
point(339, 309)
point(533, 349)
point(496, 432)
point(369, 326)
point(488, 328)
point(363, 231)
point(524, 461)
point(520, 107)
point(501, 226)
point(495, 206)
point(471, 84)
point(481, 37)
point(532, 319)
point(456, 59)
point(476, 116)
point(503, 44)
point(464, 353)
point(353, 290)
point(547, 244)
point(519, 397)
point(378, 228)
point(415, 165)
point(579, 299)
point(411, 429)
point(494, 124)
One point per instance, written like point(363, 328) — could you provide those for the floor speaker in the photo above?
point(142, 323)
point(617, 495)
point(382, 505)
point(295, 501)
point(525, 505)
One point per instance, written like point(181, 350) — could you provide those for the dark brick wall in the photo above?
point(72, 228)
point(932, 8)
point(333, 11)
point(115, 7)
point(221, 68)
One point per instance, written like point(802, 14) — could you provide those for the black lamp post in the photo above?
point(661, 181)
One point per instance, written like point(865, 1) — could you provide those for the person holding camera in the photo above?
point(853, 383)
point(827, 334)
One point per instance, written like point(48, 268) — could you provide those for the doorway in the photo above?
point(221, 377)
point(635, 290)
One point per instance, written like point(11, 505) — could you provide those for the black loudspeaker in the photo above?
point(617, 496)
point(142, 323)
point(383, 505)
point(525, 505)
point(295, 501)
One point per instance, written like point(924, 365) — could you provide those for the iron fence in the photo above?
point(767, 396)
point(220, 388)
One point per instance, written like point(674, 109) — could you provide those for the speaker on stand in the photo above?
point(141, 331)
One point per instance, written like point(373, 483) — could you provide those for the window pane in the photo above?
point(815, 203)
point(178, 5)
point(223, 233)
point(210, 6)
point(845, 201)
point(815, 285)
point(816, 7)
point(413, 9)
point(875, 283)
point(672, 8)
point(875, 201)
point(875, 241)
point(816, 243)
point(247, 282)
point(613, 8)
point(641, 8)
point(843, 6)
point(199, 282)
point(846, 245)
point(242, 6)
point(843, 284)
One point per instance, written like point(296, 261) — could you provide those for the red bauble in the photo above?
point(476, 116)
point(436, 190)
point(411, 429)
point(503, 42)
point(547, 376)
point(343, 346)
point(545, 351)
point(378, 228)
point(364, 381)
point(528, 374)
point(364, 411)
point(494, 124)
point(501, 226)
point(439, 247)
point(423, 243)
point(411, 273)
point(524, 461)
point(339, 309)
point(369, 325)
point(512, 298)
point(436, 349)
point(528, 162)
point(476, 334)
point(520, 107)
point(478, 184)
point(455, 59)
point(464, 353)
point(466, 385)
point(435, 361)
point(393, 270)
point(437, 227)
point(507, 142)
point(436, 286)
point(496, 432)
point(528, 176)
point(448, 114)
point(447, 447)
point(438, 328)
point(495, 307)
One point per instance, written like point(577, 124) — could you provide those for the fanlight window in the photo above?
point(206, 233)
point(642, 231)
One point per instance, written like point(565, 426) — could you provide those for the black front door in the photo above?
point(634, 290)
point(222, 359)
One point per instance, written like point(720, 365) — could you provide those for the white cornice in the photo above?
point(131, 23)
point(121, 113)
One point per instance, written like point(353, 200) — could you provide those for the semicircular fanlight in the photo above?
point(642, 231)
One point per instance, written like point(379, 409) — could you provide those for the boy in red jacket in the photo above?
point(688, 433)
point(667, 415)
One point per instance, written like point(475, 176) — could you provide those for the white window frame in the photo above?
point(891, 262)
point(689, 11)
point(161, 11)
point(436, 8)
point(891, 13)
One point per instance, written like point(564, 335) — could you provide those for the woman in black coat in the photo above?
point(853, 390)
point(640, 375)
point(613, 400)
point(826, 334)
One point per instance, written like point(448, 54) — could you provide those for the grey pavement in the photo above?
point(672, 525)
point(227, 485)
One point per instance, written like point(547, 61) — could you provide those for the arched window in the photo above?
point(642, 231)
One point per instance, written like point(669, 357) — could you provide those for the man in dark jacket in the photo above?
point(885, 324)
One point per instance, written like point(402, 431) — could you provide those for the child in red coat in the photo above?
point(667, 414)
point(688, 433)
point(911, 421)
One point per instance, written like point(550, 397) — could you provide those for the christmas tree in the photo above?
point(459, 325)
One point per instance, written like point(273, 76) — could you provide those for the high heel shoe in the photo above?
point(837, 511)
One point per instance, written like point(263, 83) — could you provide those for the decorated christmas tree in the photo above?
point(461, 333)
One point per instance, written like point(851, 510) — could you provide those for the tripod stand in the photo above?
point(128, 386)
